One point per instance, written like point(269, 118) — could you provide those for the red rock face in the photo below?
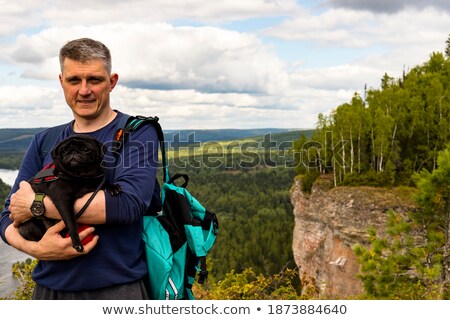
point(329, 222)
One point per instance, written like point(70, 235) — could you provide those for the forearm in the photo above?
point(17, 241)
point(95, 213)
point(52, 246)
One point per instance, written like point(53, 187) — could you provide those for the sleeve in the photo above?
point(135, 173)
point(31, 164)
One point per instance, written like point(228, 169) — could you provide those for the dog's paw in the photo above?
point(79, 248)
point(114, 189)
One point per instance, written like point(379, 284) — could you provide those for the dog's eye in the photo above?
point(85, 149)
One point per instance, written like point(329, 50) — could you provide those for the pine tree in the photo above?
point(411, 260)
point(434, 199)
point(447, 47)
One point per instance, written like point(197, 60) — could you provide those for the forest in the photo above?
point(388, 134)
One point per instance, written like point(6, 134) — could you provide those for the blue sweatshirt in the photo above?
point(118, 256)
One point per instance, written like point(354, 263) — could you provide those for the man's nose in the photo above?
point(85, 88)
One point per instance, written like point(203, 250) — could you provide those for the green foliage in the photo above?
point(15, 142)
point(447, 47)
point(22, 272)
point(11, 161)
point(394, 266)
point(250, 285)
point(255, 216)
point(395, 131)
point(410, 261)
point(4, 191)
point(370, 178)
point(308, 180)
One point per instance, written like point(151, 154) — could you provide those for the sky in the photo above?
point(219, 64)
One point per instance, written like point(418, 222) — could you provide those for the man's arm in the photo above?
point(135, 174)
point(52, 246)
point(22, 199)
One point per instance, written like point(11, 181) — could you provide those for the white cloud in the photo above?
point(333, 27)
point(32, 106)
point(193, 109)
point(177, 60)
point(13, 13)
point(162, 56)
point(20, 16)
point(378, 43)
point(355, 29)
point(177, 109)
point(211, 12)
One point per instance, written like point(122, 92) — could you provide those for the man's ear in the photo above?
point(113, 79)
point(60, 78)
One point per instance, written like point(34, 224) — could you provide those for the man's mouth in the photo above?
point(86, 101)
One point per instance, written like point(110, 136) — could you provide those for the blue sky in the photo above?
point(216, 64)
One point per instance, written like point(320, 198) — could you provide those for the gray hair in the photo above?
point(84, 50)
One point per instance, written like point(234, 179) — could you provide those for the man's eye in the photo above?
point(95, 81)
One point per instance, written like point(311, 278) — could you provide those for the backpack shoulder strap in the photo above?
point(129, 124)
point(50, 138)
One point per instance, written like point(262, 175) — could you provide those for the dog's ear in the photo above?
point(56, 151)
point(100, 147)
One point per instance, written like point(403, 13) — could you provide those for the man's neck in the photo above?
point(83, 125)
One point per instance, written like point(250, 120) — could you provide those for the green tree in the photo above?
point(4, 191)
point(22, 272)
point(393, 266)
point(250, 285)
point(400, 127)
point(411, 260)
point(434, 199)
point(447, 47)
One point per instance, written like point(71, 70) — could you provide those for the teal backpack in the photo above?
point(178, 238)
point(178, 232)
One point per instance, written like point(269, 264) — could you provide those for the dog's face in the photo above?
point(81, 155)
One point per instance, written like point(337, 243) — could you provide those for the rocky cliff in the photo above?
point(330, 221)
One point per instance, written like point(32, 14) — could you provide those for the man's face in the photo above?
point(86, 87)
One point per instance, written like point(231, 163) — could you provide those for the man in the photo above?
point(112, 265)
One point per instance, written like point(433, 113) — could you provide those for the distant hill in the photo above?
point(189, 137)
point(16, 140)
point(285, 136)
point(13, 141)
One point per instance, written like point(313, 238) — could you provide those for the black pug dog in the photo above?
point(77, 170)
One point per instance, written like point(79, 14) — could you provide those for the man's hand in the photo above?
point(20, 204)
point(53, 246)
